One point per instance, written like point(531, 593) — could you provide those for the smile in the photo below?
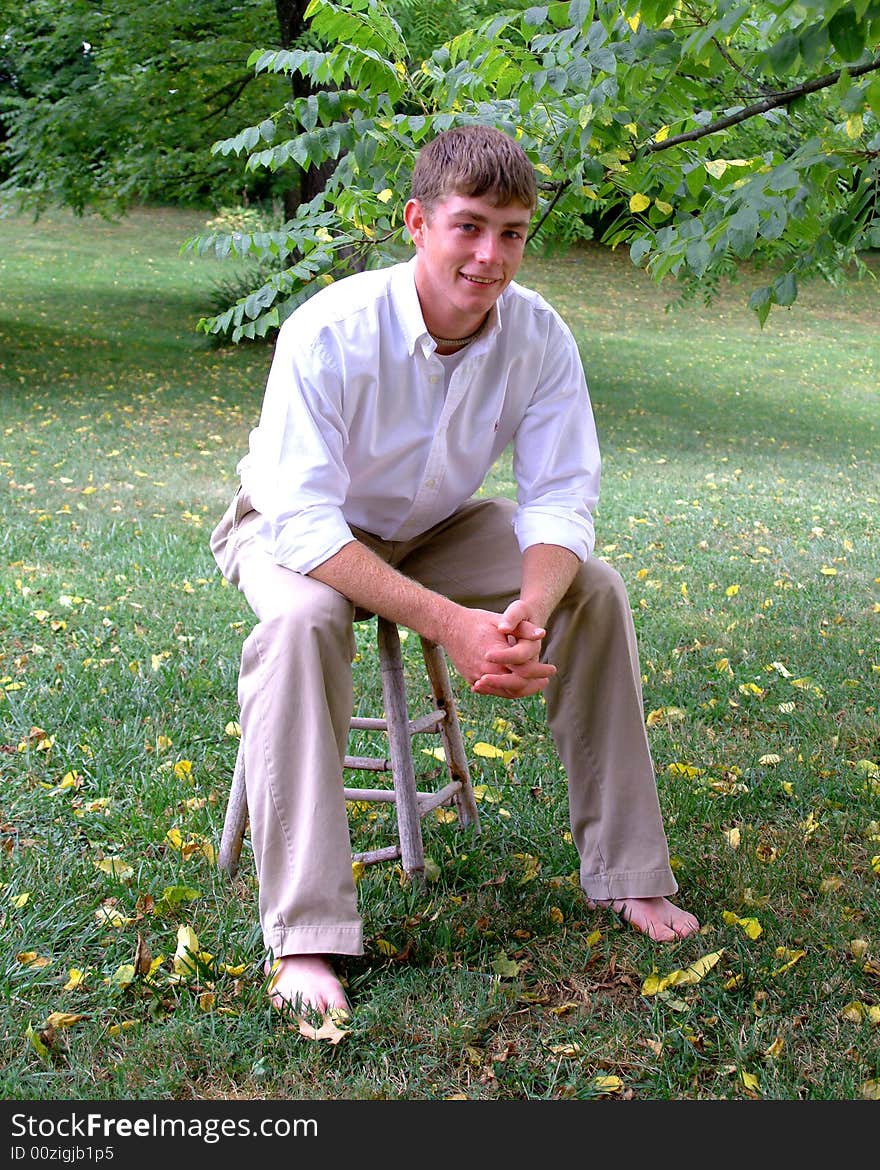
point(479, 279)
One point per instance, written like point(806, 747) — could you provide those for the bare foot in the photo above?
point(658, 918)
point(306, 985)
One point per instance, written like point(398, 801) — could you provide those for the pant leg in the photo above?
point(596, 715)
point(295, 697)
point(594, 703)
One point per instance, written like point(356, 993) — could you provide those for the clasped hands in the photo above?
point(500, 654)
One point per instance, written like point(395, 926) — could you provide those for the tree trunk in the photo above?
point(291, 24)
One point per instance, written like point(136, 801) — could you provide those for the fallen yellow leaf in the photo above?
point(857, 1012)
point(187, 951)
point(610, 1084)
point(790, 957)
point(76, 977)
point(751, 927)
point(115, 1029)
point(116, 867)
point(32, 959)
point(775, 1049)
point(62, 1019)
point(664, 715)
point(654, 984)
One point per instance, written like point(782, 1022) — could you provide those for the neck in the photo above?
point(459, 342)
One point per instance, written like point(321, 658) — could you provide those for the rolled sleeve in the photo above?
point(309, 538)
point(556, 457)
point(295, 471)
point(546, 525)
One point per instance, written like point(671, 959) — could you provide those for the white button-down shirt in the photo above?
point(358, 427)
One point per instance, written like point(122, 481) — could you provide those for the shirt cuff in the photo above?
point(536, 525)
point(310, 538)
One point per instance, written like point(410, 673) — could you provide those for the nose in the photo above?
point(487, 248)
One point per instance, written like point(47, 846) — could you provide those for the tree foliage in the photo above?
point(697, 134)
point(101, 107)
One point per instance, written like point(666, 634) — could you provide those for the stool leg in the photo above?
point(400, 747)
point(450, 732)
point(236, 818)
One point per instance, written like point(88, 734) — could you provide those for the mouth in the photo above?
point(483, 280)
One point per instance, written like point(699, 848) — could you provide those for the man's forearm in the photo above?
point(548, 570)
point(473, 638)
point(358, 574)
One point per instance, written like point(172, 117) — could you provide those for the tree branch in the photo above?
point(737, 68)
point(560, 187)
point(770, 103)
point(233, 91)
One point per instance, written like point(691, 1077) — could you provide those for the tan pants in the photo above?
point(295, 695)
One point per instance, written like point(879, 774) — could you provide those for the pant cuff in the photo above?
point(652, 883)
point(315, 940)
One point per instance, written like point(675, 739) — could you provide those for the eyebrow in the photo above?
point(478, 217)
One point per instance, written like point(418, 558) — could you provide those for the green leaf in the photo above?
point(698, 255)
point(785, 289)
point(773, 224)
point(760, 302)
point(847, 33)
point(872, 94)
point(813, 45)
point(743, 230)
point(506, 968)
point(639, 249)
point(783, 54)
point(695, 180)
point(535, 17)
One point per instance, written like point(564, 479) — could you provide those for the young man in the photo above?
point(391, 393)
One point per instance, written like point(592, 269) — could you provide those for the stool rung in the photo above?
point(429, 722)
point(368, 763)
point(430, 800)
point(360, 723)
point(370, 794)
point(389, 853)
point(426, 800)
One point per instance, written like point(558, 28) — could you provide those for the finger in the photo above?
point(501, 686)
point(517, 657)
point(538, 673)
point(522, 629)
point(513, 616)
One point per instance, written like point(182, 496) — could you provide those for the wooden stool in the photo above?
point(410, 804)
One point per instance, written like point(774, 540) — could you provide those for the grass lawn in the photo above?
point(740, 502)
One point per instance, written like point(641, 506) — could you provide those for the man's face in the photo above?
point(469, 250)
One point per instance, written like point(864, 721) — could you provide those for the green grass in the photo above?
point(740, 502)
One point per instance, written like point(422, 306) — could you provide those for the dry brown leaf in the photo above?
point(329, 1029)
point(143, 956)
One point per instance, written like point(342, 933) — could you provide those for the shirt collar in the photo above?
point(409, 311)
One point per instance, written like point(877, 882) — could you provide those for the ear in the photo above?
point(416, 221)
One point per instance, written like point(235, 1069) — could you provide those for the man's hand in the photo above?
point(496, 654)
point(500, 655)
